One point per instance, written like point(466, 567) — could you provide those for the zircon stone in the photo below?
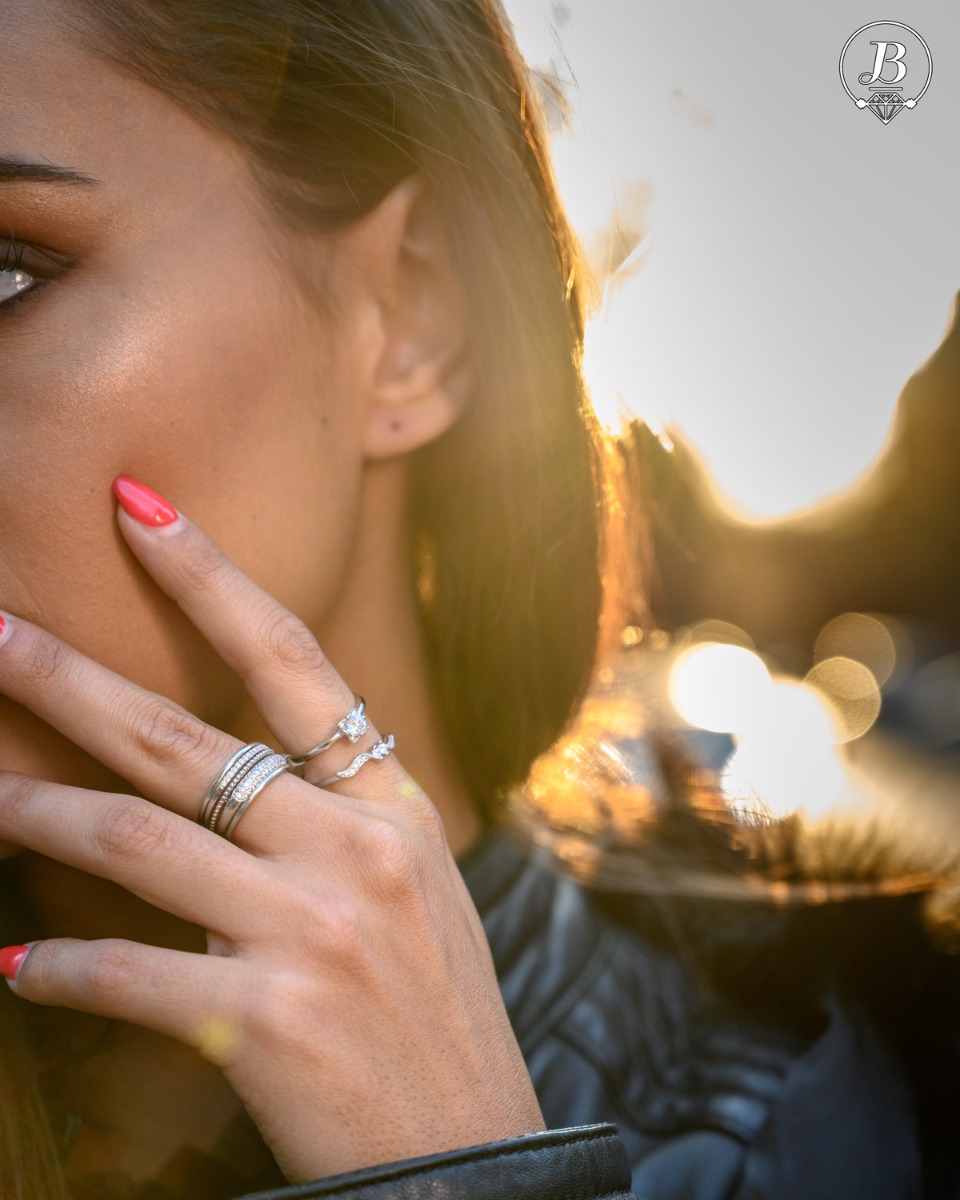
point(382, 749)
point(354, 725)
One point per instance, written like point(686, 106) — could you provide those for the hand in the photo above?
point(348, 991)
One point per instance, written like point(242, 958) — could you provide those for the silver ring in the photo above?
point(352, 727)
point(233, 770)
point(242, 778)
point(376, 753)
point(247, 791)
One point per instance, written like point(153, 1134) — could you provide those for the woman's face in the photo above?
point(164, 339)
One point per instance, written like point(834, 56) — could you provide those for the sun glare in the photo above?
point(787, 733)
point(721, 688)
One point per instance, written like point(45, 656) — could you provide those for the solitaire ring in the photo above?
point(352, 727)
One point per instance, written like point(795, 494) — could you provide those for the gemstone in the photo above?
point(382, 749)
point(354, 725)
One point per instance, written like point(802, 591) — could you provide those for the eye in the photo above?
point(12, 283)
point(14, 279)
point(25, 269)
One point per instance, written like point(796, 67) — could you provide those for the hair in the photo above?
point(335, 102)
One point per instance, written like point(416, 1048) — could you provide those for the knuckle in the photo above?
point(325, 925)
point(395, 862)
point(424, 817)
point(133, 829)
point(337, 925)
point(281, 1010)
point(330, 929)
point(16, 796)
point(108, 972)
point(289, 643)
point(166, 732)
point(45, 658)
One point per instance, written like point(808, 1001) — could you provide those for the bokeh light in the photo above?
point(721, 688)
point(787, 733)
point(719, 631)
point(786, 762)
point(861, 637)
point(852, 692)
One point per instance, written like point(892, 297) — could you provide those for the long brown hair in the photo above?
point(336, 101)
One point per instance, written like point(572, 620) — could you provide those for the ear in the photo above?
point(422, 377)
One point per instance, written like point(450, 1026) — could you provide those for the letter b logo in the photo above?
point(885, 67)
point(881, 59)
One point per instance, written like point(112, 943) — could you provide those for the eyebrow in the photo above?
point(14, 171)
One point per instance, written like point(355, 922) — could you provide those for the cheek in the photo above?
point(224, 416)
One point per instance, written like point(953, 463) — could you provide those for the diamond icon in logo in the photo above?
point(885, 105)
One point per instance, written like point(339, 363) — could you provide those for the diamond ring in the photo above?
point(376, 753)
point(352, 727)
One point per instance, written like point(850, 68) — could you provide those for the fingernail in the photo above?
point(5, 628)
point(11, 960)
point(143, 503)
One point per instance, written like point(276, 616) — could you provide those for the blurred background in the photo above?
point(777, 341)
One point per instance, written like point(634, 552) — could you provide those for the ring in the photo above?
point(353, 726)
point(376, 753)
point(243, 777)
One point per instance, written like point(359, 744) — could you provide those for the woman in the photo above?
point(231, 270)
point(302, 268)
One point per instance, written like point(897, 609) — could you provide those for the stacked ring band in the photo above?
point(376, 753)
point(240, 781)
point(353, 726)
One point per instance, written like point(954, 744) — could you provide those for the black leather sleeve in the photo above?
point(585, 1163)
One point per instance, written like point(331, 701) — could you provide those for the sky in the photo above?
point(802, 257)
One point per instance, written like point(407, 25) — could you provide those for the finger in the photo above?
point(170, 863)
point(194, 998)
point(162, 750)
point(157, 746)
point(296, 689)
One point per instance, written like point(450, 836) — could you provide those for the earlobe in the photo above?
point(422, 377)
point(420, 408)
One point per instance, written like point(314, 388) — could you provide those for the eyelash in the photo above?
point(15, 248)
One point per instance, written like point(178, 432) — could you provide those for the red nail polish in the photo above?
point(3, 626)
point(143, 503)
point(11, 960)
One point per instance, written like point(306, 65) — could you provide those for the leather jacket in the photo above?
point(649, 1079)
